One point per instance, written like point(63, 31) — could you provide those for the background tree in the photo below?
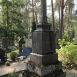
point(12, 19)
point(52, 16)
point(65, 9)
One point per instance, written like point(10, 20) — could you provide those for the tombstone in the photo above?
point(20, 45)
point(5, 41)
point(28, 42)
point(44, 59)
point(2, 56)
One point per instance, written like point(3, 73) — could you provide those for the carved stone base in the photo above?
point(37, 70)
point(44, 59)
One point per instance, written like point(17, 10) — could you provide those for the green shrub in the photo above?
point(13, 55)
point(16, 51)
point(8, 55)
point(14, 74)
point(66, 37)
point(23, 45)
point(63, 42)
point(33, 26)
point(12, 48)
point(68, 53)
point(7, 63)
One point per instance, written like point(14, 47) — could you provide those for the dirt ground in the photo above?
point(19, 65)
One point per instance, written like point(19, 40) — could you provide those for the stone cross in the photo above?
point(44, 59)
point(43, 18)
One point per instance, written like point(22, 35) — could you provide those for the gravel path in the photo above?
point(20, 65)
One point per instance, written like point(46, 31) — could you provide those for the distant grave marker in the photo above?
point(20, 45)
point(5, 41)
point(3, 58)
point(29, 42)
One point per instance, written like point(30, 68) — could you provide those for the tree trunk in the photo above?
point(72, 36)
point(33, 9)
point(27, 17)
point(35, 12)
point(62, 6)
point(28, 24)
point(52, 15)
point(59, 16)
point(7, 21)
point(68, 19)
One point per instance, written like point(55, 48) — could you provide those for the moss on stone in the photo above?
point(41, 65)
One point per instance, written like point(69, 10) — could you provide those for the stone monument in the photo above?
point(44, 59)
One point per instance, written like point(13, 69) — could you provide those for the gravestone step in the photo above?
point(44, 59)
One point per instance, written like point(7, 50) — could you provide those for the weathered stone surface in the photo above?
point(44, 26)
point(44, 70)
point(43, 42)
point(43, 17)
point(44, 59)
point(43, 51)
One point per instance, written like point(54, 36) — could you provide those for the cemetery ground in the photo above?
point(20, 65)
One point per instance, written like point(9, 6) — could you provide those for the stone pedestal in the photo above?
point(38, 70)
point(44, 59)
